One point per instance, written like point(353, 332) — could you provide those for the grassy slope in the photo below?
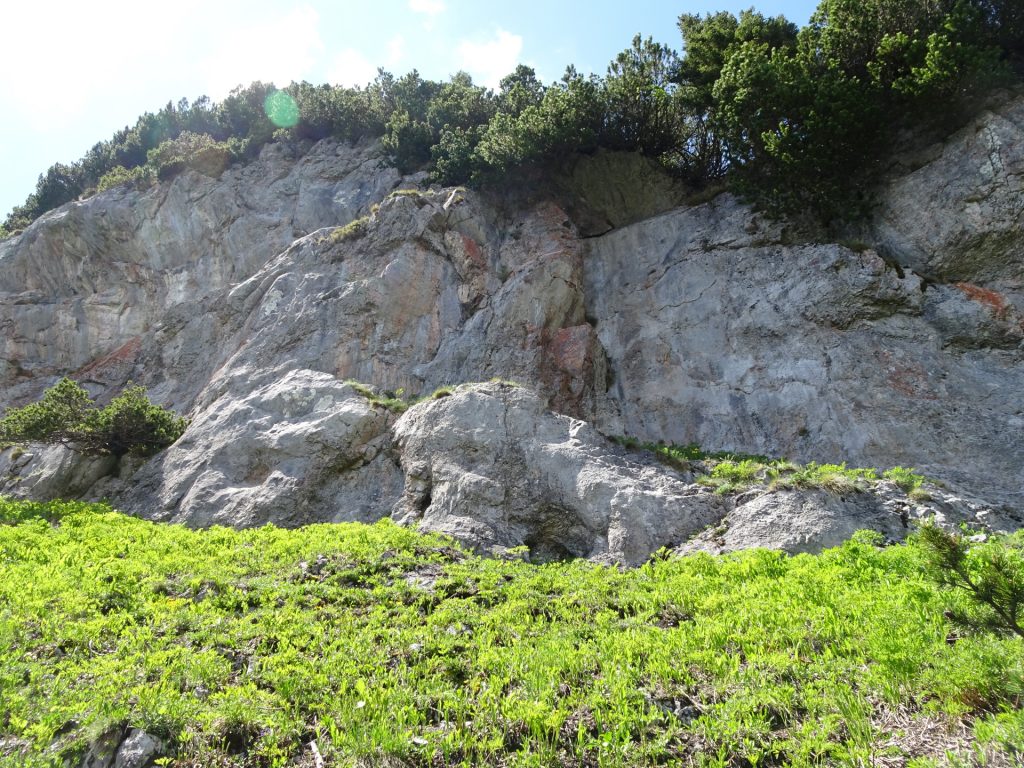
point(389, 647)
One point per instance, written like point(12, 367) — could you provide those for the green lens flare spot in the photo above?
point(281, 109)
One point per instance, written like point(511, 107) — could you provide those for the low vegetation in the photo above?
point(730, 472)
point(991, 574)
point(66, 415)
point(387, 647)
point(796, 119)
point(354, 230)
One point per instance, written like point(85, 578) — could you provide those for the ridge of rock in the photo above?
point(244, 303)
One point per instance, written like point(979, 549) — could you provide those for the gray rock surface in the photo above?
point(82, 286)
point(137, 750)
point(102, 751)
point(238, 302)
point(717, 333)
point(302, 449)
point(52, 471)
point(959, 216)
point(491, 466)
point(810, 520)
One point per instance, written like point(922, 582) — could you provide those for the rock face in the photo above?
point(971, 192)
point(491, 466)
point(302, 449)
point(716, 333)
point(245, 303)
point(86, 287)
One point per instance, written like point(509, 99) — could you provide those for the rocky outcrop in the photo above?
point(89, 288)
point(491, 466)
point(717, 333)
point(958, 217)
point(488, 464)
point(810, 520)
point(245, 303)
point(302, 449)
point(116, 749)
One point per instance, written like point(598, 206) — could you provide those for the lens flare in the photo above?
point(281, 109)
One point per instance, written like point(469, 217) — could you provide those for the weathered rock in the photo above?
point(718, 334)
point(301, 449)
point(137, 750)
point(427, 295)
point(607, 190)
point(51, 471)
point(86, 282)
point(959, 216)
point(236, 301)
point(811, 520)
point(492, 467)
point(102, 751)
point(798, 521)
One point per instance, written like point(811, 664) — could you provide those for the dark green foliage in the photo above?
point(795, 120)
point(989, 574)
point(569, 119)
point(66, 415)
point(519, 90)
point(197, 151)
point(643, 113)
point(139, 177)
point(348, 114)
point(408, 141)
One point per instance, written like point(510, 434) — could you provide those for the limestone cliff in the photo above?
point(240, 302)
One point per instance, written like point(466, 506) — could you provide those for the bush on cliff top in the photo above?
point(796, 119)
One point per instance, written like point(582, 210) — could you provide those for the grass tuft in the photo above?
point(731, 472)
point(354, 230)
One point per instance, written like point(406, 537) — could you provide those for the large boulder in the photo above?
point(491, 466)
point(301, 449)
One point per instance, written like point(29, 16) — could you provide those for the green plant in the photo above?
point(990, 574)
point(395, 402)
point(352, 231)
point(140, 177)
point(391, 647)
point(905, 479)
point(197, 151)
point(66, 415)
point(857, 246)
point(835, 478)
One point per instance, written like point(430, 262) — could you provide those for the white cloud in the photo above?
point(396, 50)
point(59, 59)
point(277, 50)
point(427, 7)
point(351, 68)
point(490, 60)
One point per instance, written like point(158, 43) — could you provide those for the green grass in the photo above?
point(732, 472)
point(681, 456)
point(352, 231)
point(389, 647)
point(395, 404)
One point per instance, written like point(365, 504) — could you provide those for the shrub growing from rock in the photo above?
point(66, 415)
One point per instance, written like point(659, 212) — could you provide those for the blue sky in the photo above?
point(72, 72)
